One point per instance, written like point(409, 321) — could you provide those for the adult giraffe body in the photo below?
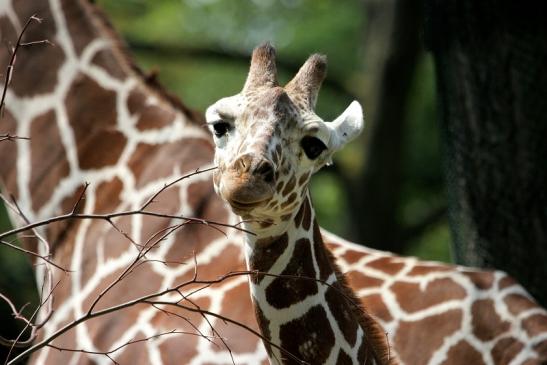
point(91, 116)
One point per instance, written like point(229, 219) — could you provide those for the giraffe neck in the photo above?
point(302, 302)
point(84, 115)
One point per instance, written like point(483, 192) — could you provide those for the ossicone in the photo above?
point(306, 83)
point(263, 71)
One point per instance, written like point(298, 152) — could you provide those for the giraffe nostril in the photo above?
point(243, 163)
point(265, 168)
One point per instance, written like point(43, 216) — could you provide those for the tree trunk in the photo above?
point(393, 48)
point(490, 59)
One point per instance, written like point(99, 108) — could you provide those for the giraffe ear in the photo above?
point(347, 126)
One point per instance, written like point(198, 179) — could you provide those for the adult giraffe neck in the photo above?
point(302, 301)
point(80, 102)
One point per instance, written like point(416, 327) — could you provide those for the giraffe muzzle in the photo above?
point(248, 183)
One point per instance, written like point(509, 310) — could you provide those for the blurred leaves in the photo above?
point(297, 28)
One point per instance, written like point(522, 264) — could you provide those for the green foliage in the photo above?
point(16, 281)
point(329, 200)
point(432, 245)
point(297, 28)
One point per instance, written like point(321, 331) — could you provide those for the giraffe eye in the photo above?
point(220, 128)
point(312, 147)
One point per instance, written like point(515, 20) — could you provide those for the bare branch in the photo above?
point(150, 299)
point(9, 69)
point(108, 217)
point(11, 137)
point(132, 342)
point(168, 185)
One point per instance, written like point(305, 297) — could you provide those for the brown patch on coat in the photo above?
point(387, 265)
point(306, 220)
point(303, 179)
point(418, 335)
point(535, 324)
point(505, 350)
point(506, 282)
point(236, 337)
point(483, 280)
point(42, 61)
point(316, 345)
point(290, 200)
point(148, 162)
point(285, 291)
point(106, 330)
point(106, 61)
point(486, 322)
point(299, 215)
point(360, 280)
point(197, 196)
point(184, 346)
point(340, 308)
point(108, 195)
point(154, 117)
point(323, 257)
point(9, 34)
point(375, 304)
point(343, 358)
point(420, 270)
point(264, 325)
point(143, 281)
point(412, 299)
point(136, 100)
point(517, 303)
point(48, 159)
point(289, 187)
point(92, 115)
point(172, 348)
point(351, 256)
point(79, 25)
point(465, 353)
point(8, 151)
point(303, 217)
point(265, 255)
point(541, 349)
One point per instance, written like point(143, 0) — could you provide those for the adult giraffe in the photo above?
point(92, 117)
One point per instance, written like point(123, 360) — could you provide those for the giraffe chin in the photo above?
point(244, 208)
point(245, 195)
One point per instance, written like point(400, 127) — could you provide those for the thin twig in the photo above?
point(166, 186)
point(11, 137)
point(110, 216)
point(9, 69)
point(128, 343)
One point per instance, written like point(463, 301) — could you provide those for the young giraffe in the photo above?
point(93, 117)
point(269, 142)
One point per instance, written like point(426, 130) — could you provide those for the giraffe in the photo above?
point(92, 116)
point(267, 148)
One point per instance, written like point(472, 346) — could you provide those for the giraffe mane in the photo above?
point(373, 332)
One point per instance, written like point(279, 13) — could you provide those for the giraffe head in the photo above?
point(269, 141)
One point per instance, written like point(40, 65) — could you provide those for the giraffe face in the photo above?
point(269, 142)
